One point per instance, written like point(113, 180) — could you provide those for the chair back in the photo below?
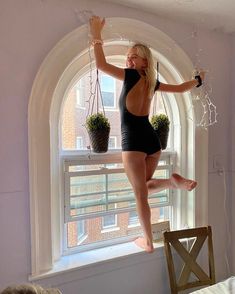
point(174, 239)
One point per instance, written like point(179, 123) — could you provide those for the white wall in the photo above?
point(29, 30)
point(232, 148)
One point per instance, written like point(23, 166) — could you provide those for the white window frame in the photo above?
point(66, 59)
point(74, 160)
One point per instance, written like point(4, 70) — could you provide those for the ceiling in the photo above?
point(218, 15)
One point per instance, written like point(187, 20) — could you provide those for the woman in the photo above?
point(140, 145)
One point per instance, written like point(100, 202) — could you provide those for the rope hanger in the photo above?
point(95, 96)
point(155, 96)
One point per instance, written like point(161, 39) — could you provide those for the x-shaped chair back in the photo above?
point(190, 265)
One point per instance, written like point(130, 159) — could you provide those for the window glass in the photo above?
point(101, 196)
point(108, 90)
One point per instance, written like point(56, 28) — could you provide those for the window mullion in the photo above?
point(106, 193)
point(67, 193)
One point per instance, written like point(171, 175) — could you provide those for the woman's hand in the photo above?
point(202, 74)
point(199, 77)
point(96, 26)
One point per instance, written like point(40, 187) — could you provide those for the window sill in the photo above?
point(137, 225)
point(110, 229)
point(99, 261)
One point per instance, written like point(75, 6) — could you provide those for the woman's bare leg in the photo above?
point(135, 167)
point(174, 182)
point(139, 169)
point(182, 183)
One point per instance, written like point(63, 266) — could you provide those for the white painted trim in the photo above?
point(86, 264)
point(49, 88)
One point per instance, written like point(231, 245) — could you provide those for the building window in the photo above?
point(112, 142)
point(110, 220)
point(79, 143)
point(80, 90)
point(133, 218)
point(108, 91)
point(162, 214)
point(45, 105)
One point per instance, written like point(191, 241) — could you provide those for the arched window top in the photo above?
point(79, 99)
point(60, 68)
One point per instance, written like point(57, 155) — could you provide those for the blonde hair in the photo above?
point(29, 289)
point(144, 52)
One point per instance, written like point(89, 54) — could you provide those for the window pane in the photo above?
point(107, 83)
point(87, 184)
point(98, 189)
point(85, 205)
point(108, 99)
point(79, 100)
point(108, 90)
point(94, 229)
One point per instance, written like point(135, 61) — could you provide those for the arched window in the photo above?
point(58, 164)
point(97, 195)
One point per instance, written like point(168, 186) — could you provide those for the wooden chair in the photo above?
point(190, 265)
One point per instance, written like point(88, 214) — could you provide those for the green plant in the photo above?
point(97, 122)
point(160, 122)
point(161, 125)
point(98, 128)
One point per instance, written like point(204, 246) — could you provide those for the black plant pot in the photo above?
point(163, 137)
point(99, 140)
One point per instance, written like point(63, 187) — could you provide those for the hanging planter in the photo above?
point(97, 124)
point(98, 128)
point(160, 122)
point(161, 125)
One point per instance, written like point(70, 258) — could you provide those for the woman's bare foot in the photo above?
point(179, 182)
point(142, 243)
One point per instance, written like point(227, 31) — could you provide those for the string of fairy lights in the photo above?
point(201, 97)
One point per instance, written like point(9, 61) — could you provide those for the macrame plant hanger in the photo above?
point(155, 98)
point(97, 124)
point(96, 95)
point(160, 122)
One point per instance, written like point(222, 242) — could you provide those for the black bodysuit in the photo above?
point(137, 132)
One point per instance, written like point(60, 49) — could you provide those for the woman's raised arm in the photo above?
point(96, 26)
point(183, 87)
